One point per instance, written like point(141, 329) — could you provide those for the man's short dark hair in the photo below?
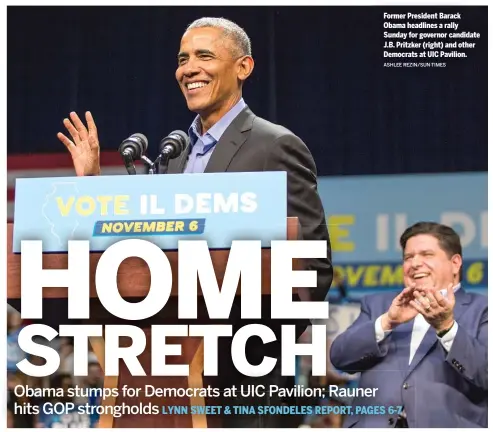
point(241, 42)
point(448, 239)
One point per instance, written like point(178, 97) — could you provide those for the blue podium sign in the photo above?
point(162, 209)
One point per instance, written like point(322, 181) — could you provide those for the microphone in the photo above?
point(173, 145)
point(134, 146)
point(131, 149)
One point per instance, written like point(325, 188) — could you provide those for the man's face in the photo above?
point(427, 265)
point(207, 72)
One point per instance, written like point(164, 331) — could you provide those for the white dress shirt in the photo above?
point(420, 328)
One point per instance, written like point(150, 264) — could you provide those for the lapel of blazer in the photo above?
point(230, 142)
point(430, 339)
point(402, 339)
point(227, 146)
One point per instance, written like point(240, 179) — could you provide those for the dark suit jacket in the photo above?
point(251, 143)
point(439, 388)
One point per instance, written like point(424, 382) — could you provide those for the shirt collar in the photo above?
point(216, 131)
point(444, 291)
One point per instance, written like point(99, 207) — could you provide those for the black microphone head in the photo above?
point(135, 145)
point(142, 139)
point(174, 144)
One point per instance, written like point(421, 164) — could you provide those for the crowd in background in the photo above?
point(64, 378)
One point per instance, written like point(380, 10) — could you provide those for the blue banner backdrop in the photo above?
point(367, 214)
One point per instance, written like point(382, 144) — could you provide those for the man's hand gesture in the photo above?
point(401, 310)
point(85, 145)
point(437, 310)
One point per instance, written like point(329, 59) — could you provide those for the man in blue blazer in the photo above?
point(425, 350)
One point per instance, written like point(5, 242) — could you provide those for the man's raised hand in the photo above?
point(84, 146)
point(401, 310)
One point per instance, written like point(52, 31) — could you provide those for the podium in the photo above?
point(133, 283)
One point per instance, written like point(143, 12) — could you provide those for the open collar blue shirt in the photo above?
point(202, 146)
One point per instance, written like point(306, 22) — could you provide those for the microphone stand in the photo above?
point(129, 162)
point(159, 166)
point(163, 160)
point(151, 166)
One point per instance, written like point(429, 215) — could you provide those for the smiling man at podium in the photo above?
point(214, 61)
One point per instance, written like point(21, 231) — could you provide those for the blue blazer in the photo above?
point(438, 389)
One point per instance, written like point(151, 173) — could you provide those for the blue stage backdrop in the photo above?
point(367, 215)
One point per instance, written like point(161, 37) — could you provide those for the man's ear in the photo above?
point(457, 264)
point(245, 67)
